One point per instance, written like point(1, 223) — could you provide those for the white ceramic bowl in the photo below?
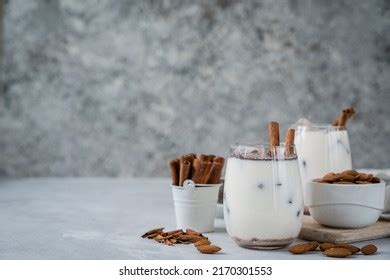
point(345, 206)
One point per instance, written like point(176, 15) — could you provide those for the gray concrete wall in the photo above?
point(117, 88)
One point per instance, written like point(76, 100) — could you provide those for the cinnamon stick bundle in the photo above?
point(202, 169)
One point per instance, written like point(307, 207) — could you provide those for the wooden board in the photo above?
point(311, 230)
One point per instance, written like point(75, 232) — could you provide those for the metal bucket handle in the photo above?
point(189, 185)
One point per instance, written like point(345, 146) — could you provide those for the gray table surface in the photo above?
point(102, 218)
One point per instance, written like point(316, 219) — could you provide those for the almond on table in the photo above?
point(179, 236)
point(350, 247)
point(369, 249)
point(301, 248)
point(337, 252)
point(325, 246)
point(190, 238)
point(208, 249)
point(153, 231)
point(193, 232)
point(341, 250)
point(202, 242)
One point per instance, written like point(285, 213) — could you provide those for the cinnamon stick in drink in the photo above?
point(273, 135)
point(289, 141)
point(174, 166)
point(351, 112)
point(343, 117)
point(184, 171)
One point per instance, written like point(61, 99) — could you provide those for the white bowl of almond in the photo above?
point(346, 200)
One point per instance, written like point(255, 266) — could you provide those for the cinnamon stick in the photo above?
point(184, 171)
point(289, 141)
point(194, 168)
point(273, 135)
point(335, 122)
point(351, 112)
point(215, 173)
point(190, 158)
point(343, 117)
point(174, 166)
point(198, 176)
point(202, 157)
point(220, 160)
point(206, 173)
point(211, 158)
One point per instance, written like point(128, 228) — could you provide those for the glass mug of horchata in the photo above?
point(263, 204)
point(322, 148)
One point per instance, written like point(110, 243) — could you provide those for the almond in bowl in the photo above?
point(346, 200)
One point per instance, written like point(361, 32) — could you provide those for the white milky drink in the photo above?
point(263, 205)
point(321, 149)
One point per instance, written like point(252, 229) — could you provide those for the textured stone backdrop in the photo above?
point(117, 88)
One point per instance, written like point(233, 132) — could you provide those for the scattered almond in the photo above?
point(208, 249)
point(202, 242)
point(173, 235)
point(351, 248)
point(179, 236)
point(159, 237)
point(333, 250)
point(314, 245)
point(156, 230)
point(151, 236)
point(191, 238)
point(193, 232)
point(369, 249)
point(174, 232)
point(325, 246)
point(300, 248)
point(337, 252)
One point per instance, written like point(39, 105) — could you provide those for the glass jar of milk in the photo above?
point(263, 206)
point(321, 149)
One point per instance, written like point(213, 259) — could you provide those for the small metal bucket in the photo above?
point(195, 205)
